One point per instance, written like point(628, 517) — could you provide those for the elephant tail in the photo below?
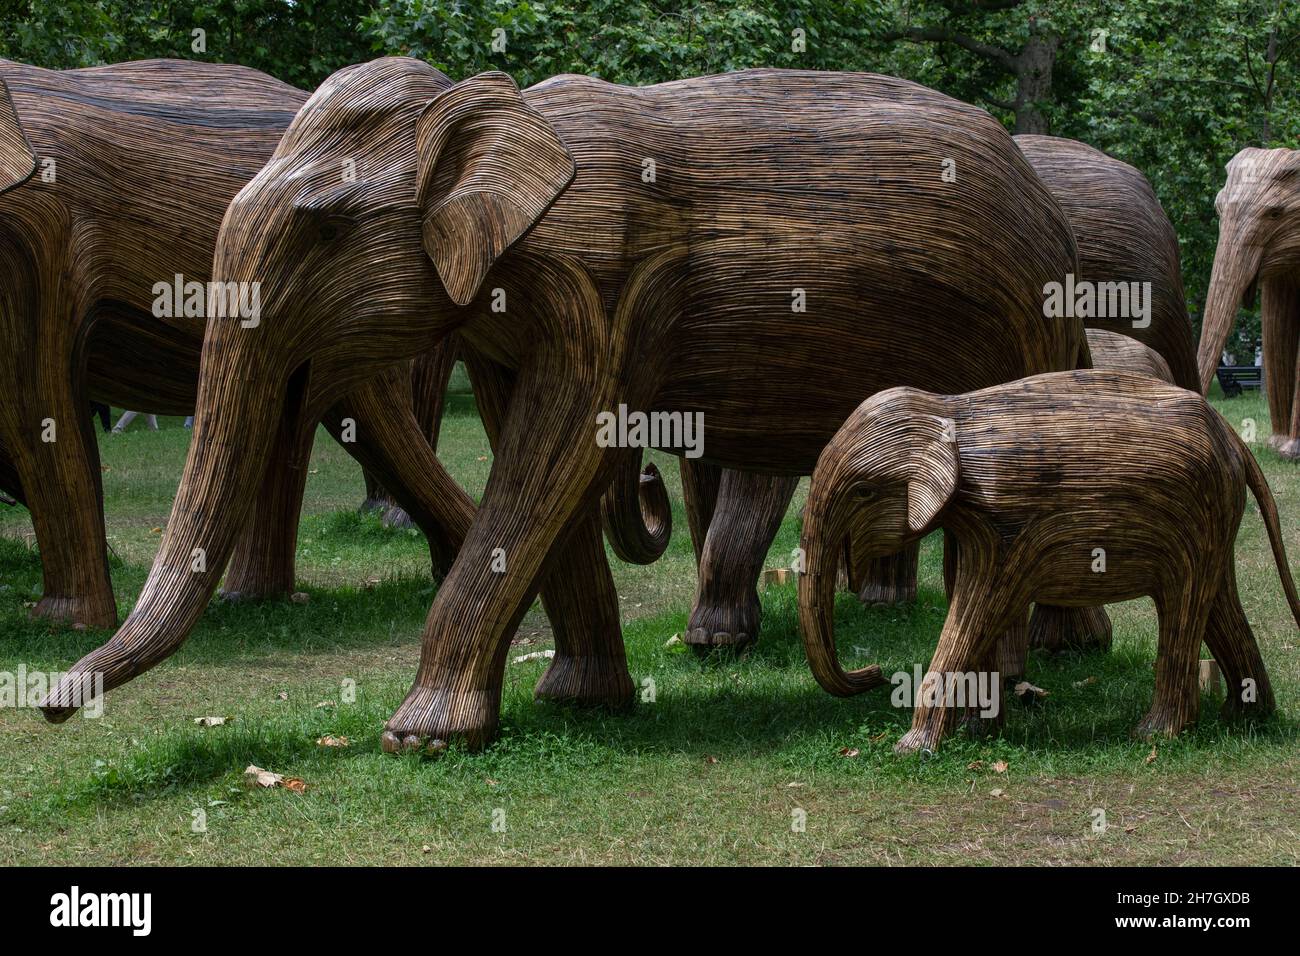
point(635, 511)
point(1268, 509)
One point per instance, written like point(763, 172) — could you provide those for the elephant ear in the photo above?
point(17, 161)
point(489, 168)
point(932, 470)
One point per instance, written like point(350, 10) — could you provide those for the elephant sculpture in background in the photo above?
point(709, 247)
point(1028, 480)
point(1125, 238)
point(114, 181)
point(1259, 248)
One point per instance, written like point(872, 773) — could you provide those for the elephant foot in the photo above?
point(430, 718)
point(918, 740)
point(590, 681)
point(1285, 446)
point(1070, 628)
point(1163, 722)
point(98, 612)
point(396, 517)
point(721, 624)
point(887, 593)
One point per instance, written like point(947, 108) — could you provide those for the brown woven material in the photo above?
point(577, 284)
point(113, 178)
point(1259, 239)
point(1034, 482)
point(1123, 235)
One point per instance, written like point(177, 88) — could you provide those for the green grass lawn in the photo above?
point(719, 768)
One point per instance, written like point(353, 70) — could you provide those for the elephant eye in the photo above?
point(328, 232)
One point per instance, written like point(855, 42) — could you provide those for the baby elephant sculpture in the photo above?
point(1072, 488)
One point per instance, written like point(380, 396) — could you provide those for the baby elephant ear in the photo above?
point(489, 168)
point(17, 162)
point(932, 469)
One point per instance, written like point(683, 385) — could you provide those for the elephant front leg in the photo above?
point(46, 429)
point(547, 473)
point(1070, 628)
point(980, 612)
point(263, 562)
point(746, 518)
point(376, 425)
point(1280, 339)
point(884, 581)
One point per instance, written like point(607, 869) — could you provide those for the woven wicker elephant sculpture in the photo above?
point(1079, 487)
point(114, 181)
point(1259, 248)
point(1125, 240)
point(736, 250)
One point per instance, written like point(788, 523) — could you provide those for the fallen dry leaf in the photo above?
point(210, 721)
point(1086, 682)
point(426, 848)
point(262, 778)
point(1000, 766)
point(155, 530)
point(296, 784)
point(1027, 691)
point(1151, 757)
point(848, 751)
point(673, 641)
point(710, 759)
point(326, 703)
point(879, 737)
point(975, 765)
point(299, 597)
point(482, 457)
point(282, 696)
point(996, 792)
point(329, 740)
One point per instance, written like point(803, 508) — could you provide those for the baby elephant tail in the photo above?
point(1268, 508)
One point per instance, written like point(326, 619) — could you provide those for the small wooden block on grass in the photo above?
point(777, 576)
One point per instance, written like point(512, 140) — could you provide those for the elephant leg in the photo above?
point(262, 564)
point(748, 514)
point(590, 665)
point(700, 481)
point(9, 483)
point(45, 428)
point(1233, 646)
point(390, 444)
point(376, 497)
point(1183, 616)
point(1280, 328)
point(983, 606)
point(1070, 628)
point(883, 581)
point(546, 478)
point(430, 375)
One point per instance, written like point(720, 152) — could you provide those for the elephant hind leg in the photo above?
point(1183, 614)
point(1233, 646)
point(727, 612)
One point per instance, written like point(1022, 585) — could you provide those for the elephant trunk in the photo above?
point(635, 511)
point(242, 406)
point(1236, 265)
point(825, 525)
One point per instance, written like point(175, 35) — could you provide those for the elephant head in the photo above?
point(1259, 242)
point(381, 211)
point(889, 471)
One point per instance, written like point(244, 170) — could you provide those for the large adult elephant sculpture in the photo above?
point(1259, 247)
point(1123, 237)
point(720, 247)
point(115, 179)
